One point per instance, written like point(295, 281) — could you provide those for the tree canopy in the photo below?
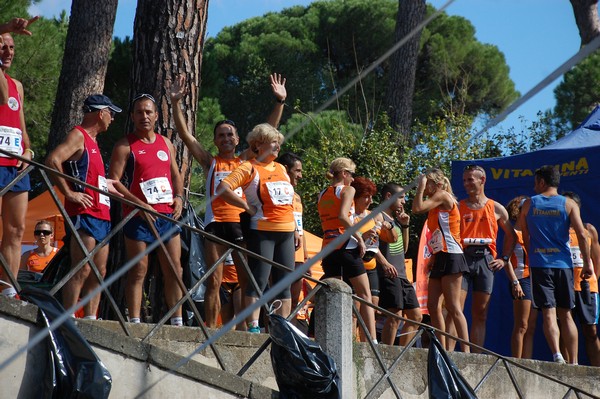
point(323, 46)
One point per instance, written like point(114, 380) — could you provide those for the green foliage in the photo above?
point(320, 48)
point(116, 86)
point(37, 65)
point(578, 93)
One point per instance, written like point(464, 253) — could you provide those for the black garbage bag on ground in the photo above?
point(192, 253)
point(302, 369)
point(73, 370)
point(444, 379)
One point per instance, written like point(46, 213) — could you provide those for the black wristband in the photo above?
point(280, 101)
point(405, 226)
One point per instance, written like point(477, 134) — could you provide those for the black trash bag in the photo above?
point(73, 369)
point(444, 379)
point(192, 253)
point(302, 369)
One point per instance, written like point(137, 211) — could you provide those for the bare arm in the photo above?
point(3, 81)
point(388, 269)
point(523, 223)
point(510, 237)
point(23, 263)
point(178, 91)
point(387, 233)
point(581, 232)
point(177, 182)
point(118, 161)
point(280, 93)
point(70, 149)
point(440, 198)
point(344, 218)
point(18, 26)
point(24, 135)
point(225, 191)
point(594, 248)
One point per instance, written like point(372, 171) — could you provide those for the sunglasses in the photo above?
point(351, 173)
point(473, 167)
point(225, 122)
point(143, 95)
point(40, 232)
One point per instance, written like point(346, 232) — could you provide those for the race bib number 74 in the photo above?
point(157, 190)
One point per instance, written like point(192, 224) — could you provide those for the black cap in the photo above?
point(97, 102)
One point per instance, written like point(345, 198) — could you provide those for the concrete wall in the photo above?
point(139, 369)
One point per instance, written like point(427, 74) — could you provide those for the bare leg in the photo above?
point(479, 310)
point(569, 331)
point(409, 328)
point(434, 305)
point(135, 277)
point(212, 301)
point(530, 333)
point(173, 291)
point(363, 290)
point(14, 209)
point(390, 327)
point(451, 289)
point(450, 327)
point(521, 310)
point(592, 344)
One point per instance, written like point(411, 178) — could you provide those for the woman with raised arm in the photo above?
point(434, 195)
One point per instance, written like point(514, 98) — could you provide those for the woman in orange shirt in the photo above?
point(269, 203)
point(37, 259)
point(336, 210)
point(434, 195)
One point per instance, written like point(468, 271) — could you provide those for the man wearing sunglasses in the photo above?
point(146, 162)
point(221, 219)
point(79, 156)
point(480, 218)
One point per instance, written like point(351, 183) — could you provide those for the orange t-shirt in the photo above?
point(578, 263)
point(479, 223)
point(37, 263)
point(445, 230)
point(217, 209)
point(330, 202)
point(267, 188)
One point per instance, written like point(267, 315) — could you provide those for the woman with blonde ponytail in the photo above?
point(336, 210)
point(434, 195)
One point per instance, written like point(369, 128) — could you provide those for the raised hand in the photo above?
point(278, 86)
point(178, 88)
point(19, 26)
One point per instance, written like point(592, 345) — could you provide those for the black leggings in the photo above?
point(275, 245)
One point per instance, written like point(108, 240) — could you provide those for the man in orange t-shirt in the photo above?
point(480, 218)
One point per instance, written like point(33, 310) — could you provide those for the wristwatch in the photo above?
point(505, 258)
point(515, 283)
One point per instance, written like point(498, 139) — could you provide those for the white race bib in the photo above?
point(157, 190)
point(219, 176)
point(576, 256)
point(298, 219)
point(102, 185)
point(10, 140)
point(436, 242)
point(281, 192)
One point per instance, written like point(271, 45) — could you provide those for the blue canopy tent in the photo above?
point(577, 155)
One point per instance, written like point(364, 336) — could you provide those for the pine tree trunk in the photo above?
point(85, 59)
point(586, 17)
point(403, 66)
point(168, 39)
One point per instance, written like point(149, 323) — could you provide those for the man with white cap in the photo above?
point(79, 156)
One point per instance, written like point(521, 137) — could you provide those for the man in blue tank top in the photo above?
point(545, 220)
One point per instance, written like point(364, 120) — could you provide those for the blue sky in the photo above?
point(536, 36)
